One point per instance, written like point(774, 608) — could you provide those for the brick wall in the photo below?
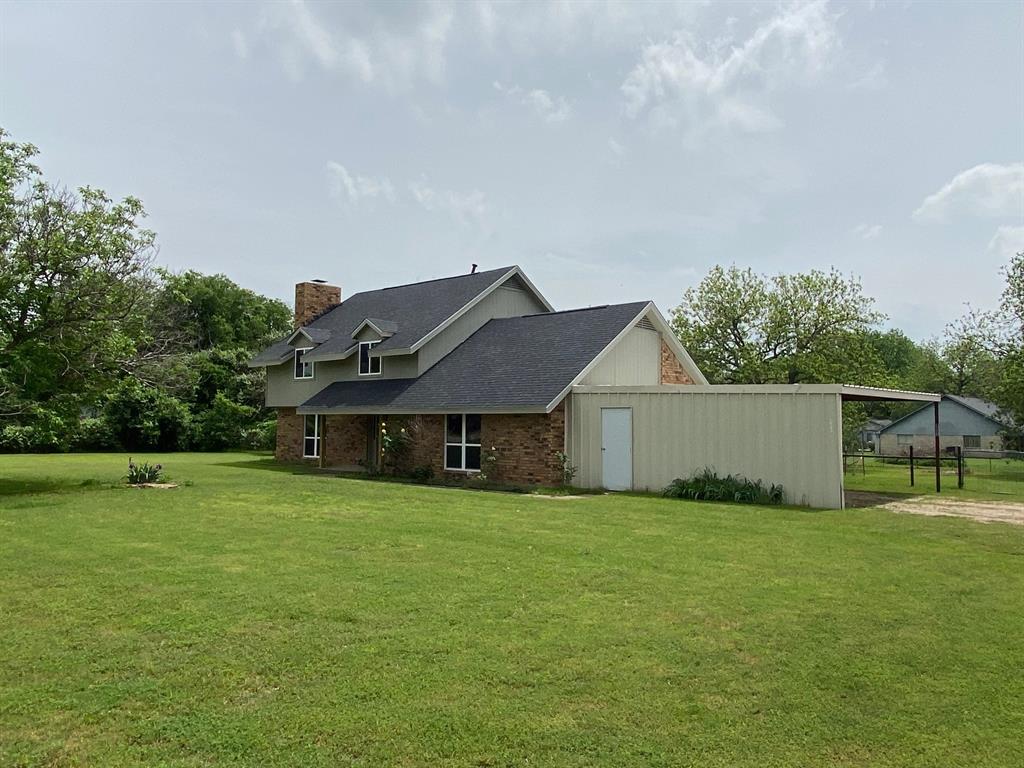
point(672, 371)
point(313, 298)
point(526, 444)
point(289, 435)
point(344, 440)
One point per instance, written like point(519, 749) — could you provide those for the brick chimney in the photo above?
point(312, 298)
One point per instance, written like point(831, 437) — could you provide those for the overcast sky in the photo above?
point(615, 151)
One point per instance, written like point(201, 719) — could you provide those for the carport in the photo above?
point(642, 437)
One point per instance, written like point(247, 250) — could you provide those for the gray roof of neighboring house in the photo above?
point(412, 310)
point(515, 363)
point(983, 407)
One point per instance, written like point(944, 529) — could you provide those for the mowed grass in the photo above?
point(984, 479)
point(264, 618)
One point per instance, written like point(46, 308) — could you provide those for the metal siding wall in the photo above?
point(793, 439)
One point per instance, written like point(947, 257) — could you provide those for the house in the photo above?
point(479, 373)
point(964, 422)
point(475, 368)
point(869, 431)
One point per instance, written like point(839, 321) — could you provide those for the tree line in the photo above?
point(102, 349)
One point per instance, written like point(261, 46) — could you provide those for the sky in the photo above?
point(615, 151)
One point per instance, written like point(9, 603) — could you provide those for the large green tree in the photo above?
point(743, 327)
point(73, 272)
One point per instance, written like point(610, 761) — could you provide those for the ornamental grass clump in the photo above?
point(708, 486)
point(140, 474)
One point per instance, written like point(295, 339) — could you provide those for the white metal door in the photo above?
point(617, 448)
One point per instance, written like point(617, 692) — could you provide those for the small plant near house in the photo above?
point(139, 474)
point(488, 464)
point(422, 474)
point(708, 486)
point(395, 444)
point(568, 469)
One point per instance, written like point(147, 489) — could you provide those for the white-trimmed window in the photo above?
point(462, 442)
point(972, 441)
point(303, 368)
point(368, 366)
point(311, 437)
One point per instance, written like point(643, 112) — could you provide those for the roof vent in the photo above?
point(646, 324)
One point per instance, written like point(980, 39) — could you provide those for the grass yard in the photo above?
point(263, 618)
point(992, 479)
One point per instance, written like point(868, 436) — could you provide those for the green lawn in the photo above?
point(265, 618)
point(991, 479)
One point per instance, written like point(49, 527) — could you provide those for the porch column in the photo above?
point(938, 464)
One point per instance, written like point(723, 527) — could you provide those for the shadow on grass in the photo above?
point(864, 499)
point(10, 487)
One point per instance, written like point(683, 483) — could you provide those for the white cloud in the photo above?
point(547, 107)
point(381, 53)
point(617, 149)
point(238, 42)
point(988, 189)
point(350, 188)
point(681, 80)
point(1007, 241)
point(867, 231)
point(464, 207)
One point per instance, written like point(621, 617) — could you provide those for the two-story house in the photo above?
point(478, 366)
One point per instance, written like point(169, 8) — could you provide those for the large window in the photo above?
point(303, 369)
point(311, 437)
point(972, 441)
point(462, 442)
point(368, 366)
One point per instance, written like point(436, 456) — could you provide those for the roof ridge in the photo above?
point(436, 280)
point(578, 309)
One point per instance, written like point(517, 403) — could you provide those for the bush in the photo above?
point(48, 432)
point(94, 435)
point(220, 426)
point(422, 474)
point(144, 472)
point(707, 486)
point(141, 417)
point(260, 437)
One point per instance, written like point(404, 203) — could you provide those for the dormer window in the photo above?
point(368, 366)
point(303, 368)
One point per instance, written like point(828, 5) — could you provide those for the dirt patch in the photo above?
point(982, 511)
point(164, 486)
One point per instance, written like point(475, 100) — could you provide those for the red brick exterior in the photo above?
point(525, 444)
point(313, 298)
point(672, 371)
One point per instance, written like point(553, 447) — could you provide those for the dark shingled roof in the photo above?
point(413, 310)
point(510, 363)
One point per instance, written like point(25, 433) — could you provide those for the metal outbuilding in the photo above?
point(642, 437)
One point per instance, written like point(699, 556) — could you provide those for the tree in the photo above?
point(742, 327)
point(73, 271)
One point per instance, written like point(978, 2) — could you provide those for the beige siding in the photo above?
point(283, 389)
point(794, 438)
point(502, 302)
point(635, 359)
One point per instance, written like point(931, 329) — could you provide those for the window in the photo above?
point(311, 437)
point(368, 366)
point(972, 441)
point(462, 442)
point(904, 439)
point(303, 369)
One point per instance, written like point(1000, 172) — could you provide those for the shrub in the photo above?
point(568, 470)
point(144, 472)
point(261, 436)
point(94, 435)
point(220, 426)
point(422, 474)
point(708, 486)
point(142, 417)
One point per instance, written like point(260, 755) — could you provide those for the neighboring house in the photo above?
point(870, 430)
point(965, 422)
point(477, 367)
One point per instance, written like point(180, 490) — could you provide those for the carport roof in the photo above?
point(848, 392)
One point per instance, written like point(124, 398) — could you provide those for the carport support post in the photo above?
point(911, 466)
point(938, 463)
